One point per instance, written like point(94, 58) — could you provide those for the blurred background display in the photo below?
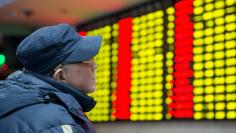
point(167, 60)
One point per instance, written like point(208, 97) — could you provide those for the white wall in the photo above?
point(168, 127)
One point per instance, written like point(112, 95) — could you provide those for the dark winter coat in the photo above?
point(32, 103)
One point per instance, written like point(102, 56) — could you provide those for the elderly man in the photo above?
point(50, 94)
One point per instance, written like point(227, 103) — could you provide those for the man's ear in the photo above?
point(58, 75)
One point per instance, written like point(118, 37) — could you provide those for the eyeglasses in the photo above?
point(91, 63)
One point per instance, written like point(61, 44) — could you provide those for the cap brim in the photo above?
point(85, 48)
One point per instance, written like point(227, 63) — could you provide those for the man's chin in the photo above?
point(92, 89)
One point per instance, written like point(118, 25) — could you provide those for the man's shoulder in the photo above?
point(40, 117)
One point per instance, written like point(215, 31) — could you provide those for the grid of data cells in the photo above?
point(147, 67)
point(214, 59)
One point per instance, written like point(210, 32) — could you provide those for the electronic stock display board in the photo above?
point(166, 60)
